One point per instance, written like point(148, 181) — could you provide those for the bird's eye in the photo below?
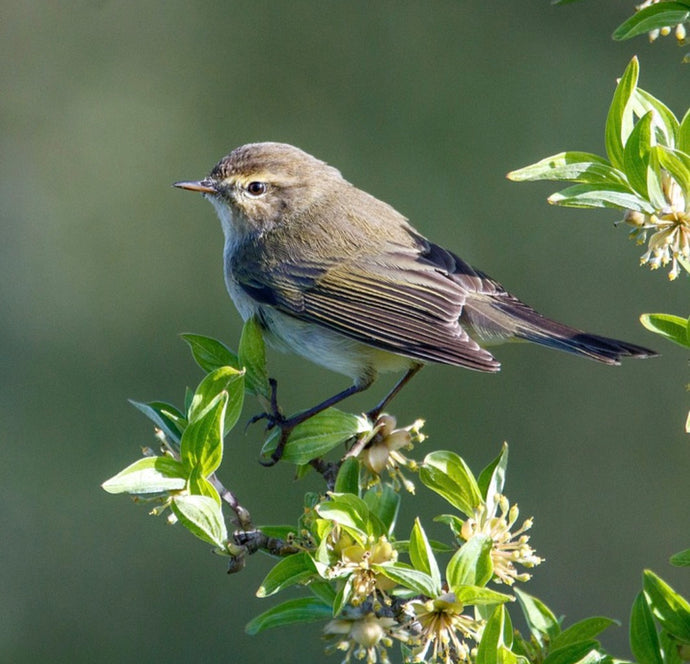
point(256, 188)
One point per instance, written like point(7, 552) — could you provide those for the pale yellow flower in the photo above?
point(356, 561)
point(668, 229)
point(384, 450)
point(509, 547)
point(365, 637)
point(442, 630)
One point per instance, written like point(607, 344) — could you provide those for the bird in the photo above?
point(343, 279)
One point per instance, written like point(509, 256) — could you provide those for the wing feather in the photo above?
point(403, 300)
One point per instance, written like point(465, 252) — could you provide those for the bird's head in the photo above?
point(260, 185)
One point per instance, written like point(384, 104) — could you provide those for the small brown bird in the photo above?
point(344, 280)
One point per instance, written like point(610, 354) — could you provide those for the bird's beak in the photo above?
point(204, 186)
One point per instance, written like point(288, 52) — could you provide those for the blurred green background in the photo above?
point(424, 104)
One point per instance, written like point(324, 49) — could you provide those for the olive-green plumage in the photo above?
point(343, 279)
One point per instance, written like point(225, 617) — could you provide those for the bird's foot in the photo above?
point(274, 418)
point(374, 414)
point(286, 427)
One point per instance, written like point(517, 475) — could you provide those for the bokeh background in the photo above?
point(424, 104)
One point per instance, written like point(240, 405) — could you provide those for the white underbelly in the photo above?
point(328, 348)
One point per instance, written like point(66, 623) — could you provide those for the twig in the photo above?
point(242, 517)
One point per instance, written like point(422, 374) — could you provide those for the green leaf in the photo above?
point(436, 546)
point(407, 577)
point(636, 154)
point(224, 379)
point(541, 622)
point(202, 440)
point(644, 640)
point(384, 504)
point(653, 17)
point(198, 485)
point(573, 653)
point(317, 435)
point(521, 647)
point(655, 187)
point(594, 196)
point(619, 121)
point(202, 517)
point(664, 123)
point(346, 510)
point(449, 476)
point(324, 591)
point(287, 572)
point(188, 397)
point(683, 142)
point(669, 608)
point(582, 167)
point(453, 522)
point(343, 595)
point(492, 479)
point(673, 328)
point(156, 474)
point(584, 630)
point(422, 555)
point(471, 564)
point(479, 596)
point(672, 649)
point(677, 163)
point(302, 610)
point(347, 480)
point(210, 354)
point(598, 656)
point(681, 559)
point(496, 641)
point(252, 356)
point(165, 416)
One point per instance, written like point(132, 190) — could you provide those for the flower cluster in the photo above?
point(508, 547)
point(366, 637)
point(356, 562)
point(444, 629)
point(384, 451)
point(668, 229)
point(381, 599)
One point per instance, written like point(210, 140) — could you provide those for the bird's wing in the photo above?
point(402, 300)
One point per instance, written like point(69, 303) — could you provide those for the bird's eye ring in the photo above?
point(256, 188)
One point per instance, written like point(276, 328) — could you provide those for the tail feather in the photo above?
point(571, 340)
point(504, 317)
point(491, 315)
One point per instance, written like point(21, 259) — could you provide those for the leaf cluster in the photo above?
point(438, 600)
point(643, 137)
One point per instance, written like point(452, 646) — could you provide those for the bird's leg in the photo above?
point(275, 417)
point(287, 424)
point(373, 414)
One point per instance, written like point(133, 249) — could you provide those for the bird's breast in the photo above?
point(326, 347)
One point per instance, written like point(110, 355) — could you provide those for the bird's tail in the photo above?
point(507, 317)
point(603, 349)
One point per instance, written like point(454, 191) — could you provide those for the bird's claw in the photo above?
point(272, 420)
point(286, 428)
point(275, 417)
